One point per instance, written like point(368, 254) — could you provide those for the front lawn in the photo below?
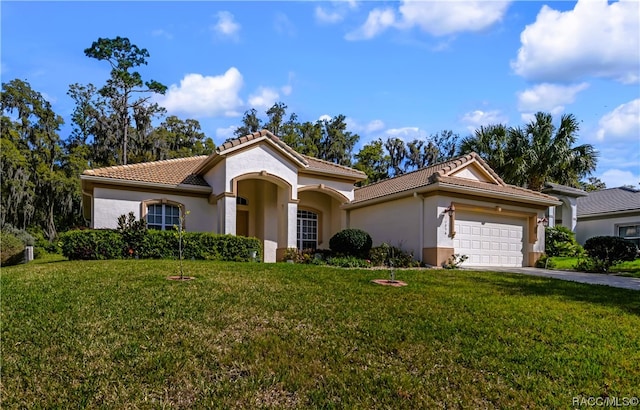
point(117, 334)
point(624, 269)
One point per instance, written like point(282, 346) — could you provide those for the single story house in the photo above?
point(258, 186)
point(610, 212)
point(607, 212)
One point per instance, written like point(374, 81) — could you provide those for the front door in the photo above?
point(242, 223)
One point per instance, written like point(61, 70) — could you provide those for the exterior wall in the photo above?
point(109, 204)
point(422, 226)
point(345, 188)
point(604, 226)
point(395, 222)
point(330, 214)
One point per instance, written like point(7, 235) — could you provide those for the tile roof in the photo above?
point(220, 150)
point(440, 173)
point(609, 200)
point(319, 165)
point(171, 172)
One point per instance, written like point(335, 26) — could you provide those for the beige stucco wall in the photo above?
point(330, 214)
point(344, 188)
point(109, 204)
point(257, 158)
point(420, 224)
point(587, 228)
point(395, 222)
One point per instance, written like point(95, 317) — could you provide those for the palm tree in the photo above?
point(537, 153)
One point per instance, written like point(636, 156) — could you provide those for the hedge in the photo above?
point(110, 244)
point(11, 249)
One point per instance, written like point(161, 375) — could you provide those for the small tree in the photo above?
point(133, 232)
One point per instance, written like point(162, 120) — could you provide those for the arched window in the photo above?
point(241, 201)
point(307, 229)
point(162, 216)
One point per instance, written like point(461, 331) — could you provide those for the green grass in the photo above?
point(624, 269)
point(117, 334)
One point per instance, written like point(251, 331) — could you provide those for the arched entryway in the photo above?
point(263, 204)
point(318, 217)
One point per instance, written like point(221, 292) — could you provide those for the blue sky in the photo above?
point(406, 69)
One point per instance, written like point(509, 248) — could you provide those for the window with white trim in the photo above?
point(162, 216)
point(307, 230)
point(630, 233)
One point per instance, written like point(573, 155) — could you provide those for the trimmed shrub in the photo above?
point(92, 244)
point(351, 242)
point(109, 244)
point(560, 241)
point(11, 249)
point(133, 232)
point(607, 251)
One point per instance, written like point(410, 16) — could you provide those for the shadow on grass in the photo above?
point(514, 284)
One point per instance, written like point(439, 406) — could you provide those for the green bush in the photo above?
point(110, 244)
point(348, 262)
point(133, 232)
point(545, 262)
point(351, 242)
point(92, 244)
point(561, 241)
point(607, 251)
point(11, 249)
point(387, 255)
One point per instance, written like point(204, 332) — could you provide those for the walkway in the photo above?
point(582, 277)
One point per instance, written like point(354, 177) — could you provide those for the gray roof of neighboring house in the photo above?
point(608, 201)
point(552, 189)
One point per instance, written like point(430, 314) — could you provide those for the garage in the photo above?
point(490, 240)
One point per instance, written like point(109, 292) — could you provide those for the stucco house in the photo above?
point(610, 212)
point(258, 186)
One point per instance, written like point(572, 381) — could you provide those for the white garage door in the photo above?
point(489, 240)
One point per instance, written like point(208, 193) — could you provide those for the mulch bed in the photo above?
point(178, 278)
point(387, 282)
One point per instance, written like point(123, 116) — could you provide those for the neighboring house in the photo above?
point(258, 186)
point(609, 212)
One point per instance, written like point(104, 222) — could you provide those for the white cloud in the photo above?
point(205, 96)
point(226, 26)
point(334, 12)
point(407, 133)
point(615, 178)
point(551, 98)
point(368, 128)
point(328, 17)
point(441, 18)
point(286, 89)
point(621, 123)
point(594, 39)
point(476, 119)
point(377, 21)
point(264, 98)
point(325, 117)
point(223, 134)
point(438, 18)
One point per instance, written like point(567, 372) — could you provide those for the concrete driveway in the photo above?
point(582, 277)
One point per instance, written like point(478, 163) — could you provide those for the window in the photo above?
point(241, 201)
point(630, 232)
point(162, 216)
point(307, 230)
